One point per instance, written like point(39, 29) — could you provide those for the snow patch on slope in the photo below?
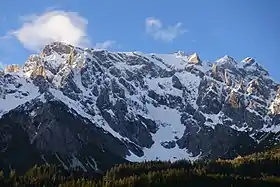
point(166, 83)
point(170, 129)
point(172, 61)
point(76, 163)
point(272, 128)
point(13, 100)
point(191, 82)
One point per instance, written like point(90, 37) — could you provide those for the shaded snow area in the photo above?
point(163, 86)
point(172, 61)
point(17, 94)
point(76, 163)
point(55, 60)
point(215, 119)
point(191, 82)
point(170, 129)
point(168, 120)
point(272, 128)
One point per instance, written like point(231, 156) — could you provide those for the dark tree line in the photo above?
point(259, 169)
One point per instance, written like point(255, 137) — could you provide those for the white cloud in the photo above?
point(105, 45)
point(155, 28)
point(40, 30)
point(4, 37)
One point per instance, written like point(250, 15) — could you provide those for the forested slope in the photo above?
point(258, 169)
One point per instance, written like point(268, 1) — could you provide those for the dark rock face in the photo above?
point(57, 47)
point(209, 100)
point(168, 144)
point(96, 108)
point(16, 150)
point(234, 107)
point(41, 83)
point(176, 82)
point(58, 131)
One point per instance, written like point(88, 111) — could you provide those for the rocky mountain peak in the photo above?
point(248, 60)
point(32, 63)
point(253, 68)
point(55, 61)
point(13, 68)
point(194, 59)
point(58, 47)
point(226, 60)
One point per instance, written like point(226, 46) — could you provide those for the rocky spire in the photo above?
point(248, 60)
point(12, 68)
point(194, 59)
point(31, 65)
point(39, 71)
point(227, 78)
point(214, 70)
point(275, 105)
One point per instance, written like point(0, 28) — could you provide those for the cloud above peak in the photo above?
point(155, 28)
point(105, 45)
point(40, 30)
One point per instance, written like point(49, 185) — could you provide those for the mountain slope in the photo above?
point(135, 106)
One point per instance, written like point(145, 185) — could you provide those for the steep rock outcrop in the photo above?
point(194, 59)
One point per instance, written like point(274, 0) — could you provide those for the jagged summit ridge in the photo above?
point(137, 106)
point(66, 51)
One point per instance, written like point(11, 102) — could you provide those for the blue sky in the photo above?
point(213, 28)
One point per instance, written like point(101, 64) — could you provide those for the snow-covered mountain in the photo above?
point(93, 108)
